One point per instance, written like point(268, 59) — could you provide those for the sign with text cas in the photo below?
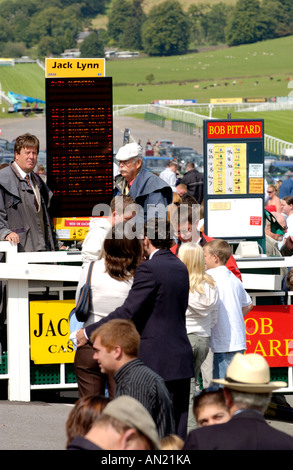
point(75, 68)
point(49, 332)
point(269, 332)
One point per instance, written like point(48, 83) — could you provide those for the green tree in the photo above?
point(92, 46)
point(118, 16)
point(247, 24)
point(166, 30)
point(215, 23)
point(280, 16)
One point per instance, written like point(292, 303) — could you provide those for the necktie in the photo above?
point(27, 178)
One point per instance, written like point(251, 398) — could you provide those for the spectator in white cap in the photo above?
point(247, 390)
point(148, 190)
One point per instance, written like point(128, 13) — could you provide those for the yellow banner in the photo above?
point(226, 100)
point(49, 332)
point(75, 68)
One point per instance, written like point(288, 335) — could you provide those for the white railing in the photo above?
point(21, 271)
point(271, 144)
point(276, 146)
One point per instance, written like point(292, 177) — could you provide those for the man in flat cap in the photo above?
point(148, 190)
point(247, 390)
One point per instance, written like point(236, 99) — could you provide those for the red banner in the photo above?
point(269, 332)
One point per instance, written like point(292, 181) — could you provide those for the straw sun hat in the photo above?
point(249, 373)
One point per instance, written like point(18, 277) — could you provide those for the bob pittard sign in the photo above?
point(269, 332)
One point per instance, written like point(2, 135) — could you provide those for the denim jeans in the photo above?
point(221, 363)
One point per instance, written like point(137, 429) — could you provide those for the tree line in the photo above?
point(45, 30)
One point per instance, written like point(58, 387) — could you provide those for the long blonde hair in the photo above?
point(191, 254)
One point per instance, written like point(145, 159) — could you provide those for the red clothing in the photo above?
point(231, 263)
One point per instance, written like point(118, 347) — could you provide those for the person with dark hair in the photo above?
point(193, 179)
point(116, 345)
point(25, 200)
point(247, 390)
point(84, 413)
point(124, 424)
point(286, 244)
point(209, 407)
point(185, 221)
point(156, 303)
point(111, 280)
point(121, 209)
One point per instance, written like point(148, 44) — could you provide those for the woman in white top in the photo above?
point(201, 313)
point(287, 210)
point(111, 281)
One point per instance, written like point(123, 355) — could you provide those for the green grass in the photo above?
point(276, 123)
point(199, 76)
point(26, 79)
point(262, 59)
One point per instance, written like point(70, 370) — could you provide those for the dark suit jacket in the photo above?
point(247, 430)
point(157, 303)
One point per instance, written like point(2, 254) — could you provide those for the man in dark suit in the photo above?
point(247, 390)
point(157, 304)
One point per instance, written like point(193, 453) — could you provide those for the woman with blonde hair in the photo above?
point(273, 202)
point(201, 313)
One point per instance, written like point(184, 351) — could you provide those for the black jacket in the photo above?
point(194, 182)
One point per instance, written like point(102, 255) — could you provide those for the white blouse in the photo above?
point(202, 311)
point(107, 293)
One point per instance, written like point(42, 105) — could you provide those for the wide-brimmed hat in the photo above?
point(133, 414)
point(249, 373)
point(128, 151)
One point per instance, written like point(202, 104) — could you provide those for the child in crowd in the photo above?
point(201, 313)
point(228, 335)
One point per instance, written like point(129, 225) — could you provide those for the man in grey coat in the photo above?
point(25, 200)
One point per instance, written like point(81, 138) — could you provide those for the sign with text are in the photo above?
point(75, 68)
point(269, 332)
point(49, 332)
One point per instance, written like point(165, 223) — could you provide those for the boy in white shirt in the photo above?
point(228, 336)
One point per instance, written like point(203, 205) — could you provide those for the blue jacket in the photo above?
point(148, 190)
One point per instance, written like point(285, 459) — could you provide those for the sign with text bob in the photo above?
point(269, 332)
point(49, 332)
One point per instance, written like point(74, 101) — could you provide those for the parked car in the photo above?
point(177, 152)
point(156, 164)
point(165, 143)
point(279, 169)
point(183, 155)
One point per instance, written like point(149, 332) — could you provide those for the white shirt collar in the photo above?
point(22, 173)
point(152, 254)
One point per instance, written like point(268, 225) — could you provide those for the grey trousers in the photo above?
point(200, 347)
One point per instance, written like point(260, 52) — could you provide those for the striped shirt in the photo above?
point(139, 381)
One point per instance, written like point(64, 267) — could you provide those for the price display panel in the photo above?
point(79, 122)
point(234, 178)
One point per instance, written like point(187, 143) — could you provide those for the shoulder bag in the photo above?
point(79, 314)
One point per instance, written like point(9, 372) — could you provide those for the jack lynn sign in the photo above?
point(75, 68)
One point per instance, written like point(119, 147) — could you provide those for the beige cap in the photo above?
point(132, 413)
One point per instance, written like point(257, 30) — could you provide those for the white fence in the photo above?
point(22, 270)
point(271, 144)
